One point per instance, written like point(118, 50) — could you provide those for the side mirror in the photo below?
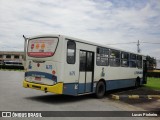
point(25, 49)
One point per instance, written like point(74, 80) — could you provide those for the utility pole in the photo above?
point(138, 49)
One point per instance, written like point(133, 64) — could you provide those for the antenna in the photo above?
point(138, 48)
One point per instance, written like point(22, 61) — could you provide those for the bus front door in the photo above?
point(86, 72)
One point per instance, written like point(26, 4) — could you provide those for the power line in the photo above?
point(121, 43)
point(132, 42)
point(149, 42)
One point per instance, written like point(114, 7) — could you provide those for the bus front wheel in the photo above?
point(137, 82)
point(100, 89)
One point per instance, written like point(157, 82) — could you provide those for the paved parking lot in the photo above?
point(13, 97)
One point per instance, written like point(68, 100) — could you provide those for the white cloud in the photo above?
point(97, 21)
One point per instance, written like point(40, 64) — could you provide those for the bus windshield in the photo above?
point(42, 47)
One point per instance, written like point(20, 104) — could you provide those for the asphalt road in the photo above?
point(13, 97)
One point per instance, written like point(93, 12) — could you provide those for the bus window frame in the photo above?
point(39, 38)
point(124, 59)
point(115, 65)
point(139, 60)
point(98, 49)
point(69, 40)
point(132, 60)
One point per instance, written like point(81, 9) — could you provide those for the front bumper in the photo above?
point(57, 88)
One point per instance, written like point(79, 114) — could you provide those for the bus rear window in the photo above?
point(42, 47)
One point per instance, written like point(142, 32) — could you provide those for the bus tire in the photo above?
point(100, 89)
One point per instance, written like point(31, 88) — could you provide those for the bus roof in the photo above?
point(83, 41)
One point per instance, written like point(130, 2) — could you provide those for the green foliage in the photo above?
point(153, 74)
point(153, 83)
point(151, 62)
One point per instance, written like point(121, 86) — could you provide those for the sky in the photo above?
point(101, 21)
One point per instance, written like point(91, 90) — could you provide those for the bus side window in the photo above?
point(102, 56)
point(139, 61)
point(114, 58)
point(133, 62)
point(71, 52)
point(124, 59)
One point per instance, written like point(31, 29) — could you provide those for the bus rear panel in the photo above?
point(42, 70)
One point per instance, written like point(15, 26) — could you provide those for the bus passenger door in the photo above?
point(86, 72)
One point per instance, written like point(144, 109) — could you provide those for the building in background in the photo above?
point(11, 56)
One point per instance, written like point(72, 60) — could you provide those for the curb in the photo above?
point(118, 97)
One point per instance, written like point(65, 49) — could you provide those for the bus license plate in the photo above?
point(38, 78)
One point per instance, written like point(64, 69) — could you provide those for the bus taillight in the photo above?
point(32, 46)
point(53, 72)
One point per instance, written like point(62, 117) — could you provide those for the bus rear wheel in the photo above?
point(100, 89)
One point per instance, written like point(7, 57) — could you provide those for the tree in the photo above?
point(151, 62)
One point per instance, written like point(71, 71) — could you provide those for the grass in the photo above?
point(153, 83)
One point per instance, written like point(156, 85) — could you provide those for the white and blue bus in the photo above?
point(65, 65)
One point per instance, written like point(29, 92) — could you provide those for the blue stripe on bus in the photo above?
point(81, 88)
point(69, 88)
point(88, 87)
point(121, 83)
point(41, 74)
point(117, 84)
point(84, 88)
